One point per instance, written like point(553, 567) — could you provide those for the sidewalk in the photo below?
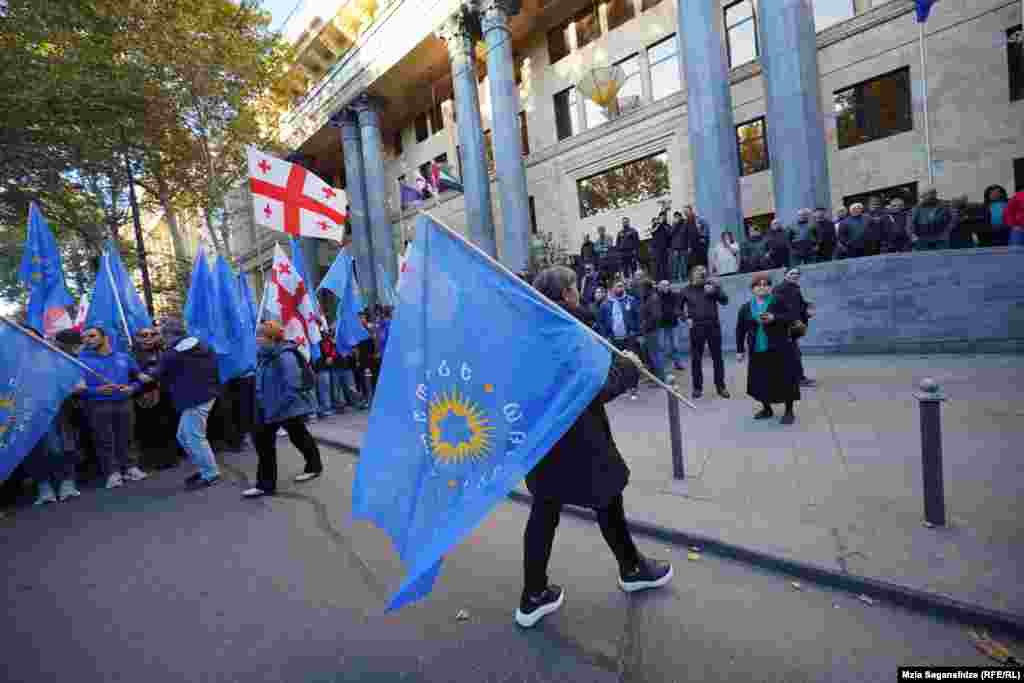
point(842, 488)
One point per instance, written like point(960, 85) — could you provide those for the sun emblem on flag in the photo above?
point(459, 429)
point(6, 402)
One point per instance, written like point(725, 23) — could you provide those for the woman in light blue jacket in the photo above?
point(284, 387)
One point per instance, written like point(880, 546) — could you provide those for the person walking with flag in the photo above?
point(583, 468)
point(109, 405)
point(285, 383)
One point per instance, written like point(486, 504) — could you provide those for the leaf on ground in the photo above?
point(693, 556)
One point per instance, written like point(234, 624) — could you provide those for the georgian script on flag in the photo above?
point(288, 198)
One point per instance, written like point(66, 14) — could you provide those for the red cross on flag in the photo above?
point(288, 198)
point(289, 301)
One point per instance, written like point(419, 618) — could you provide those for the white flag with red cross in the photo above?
point(288, 198)
point(289, 301)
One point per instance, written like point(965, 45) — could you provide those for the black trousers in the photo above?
point(235, 409)
point(711, 335)
point(264, 437)
point(630, 344)
point(540, 536)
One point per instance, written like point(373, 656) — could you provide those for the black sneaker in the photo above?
point(648, 574)
point(193, 479)
point(533, 608)
point(201, 483)
point(697, 393)
point(788, 419)
point(724, 393)
point(764, 414)
point(807, 382)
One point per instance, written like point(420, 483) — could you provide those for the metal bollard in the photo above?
point(930, 398)
point(368, 376)
point(675, 433)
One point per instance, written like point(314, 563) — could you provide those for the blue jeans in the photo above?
point(49, 461)
point(325, 406)
point(1017, 237)
point(192, 437)
point(670, 345)
point(651, 341)
point(344, 392)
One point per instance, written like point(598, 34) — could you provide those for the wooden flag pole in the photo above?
point(607, 344)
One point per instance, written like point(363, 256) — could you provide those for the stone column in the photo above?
point(457, 33)
point(711, 127)
point(376, 187)
point(508, 157)
point(355, 187)
point(796, 131)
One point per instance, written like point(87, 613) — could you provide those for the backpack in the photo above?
point(305, 370)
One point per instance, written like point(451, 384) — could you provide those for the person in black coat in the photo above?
point(789, 291)
point(701, 300)
point(826, 232)
point(762, 324)
point(660, 236)
point(583, 468)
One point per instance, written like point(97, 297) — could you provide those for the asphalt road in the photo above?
point(151, 583)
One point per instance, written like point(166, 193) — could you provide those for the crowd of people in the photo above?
point(676, 246)
point(163, 403)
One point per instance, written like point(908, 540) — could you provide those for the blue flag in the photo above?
point(924, 8)
point(114, 304)
point(387, 292)
point(238, 335)
point(340, 279)
point(480, 378)
point(43, 276)
point(248, 304)
point(202, 314)
point(34, 381)
point(299, 263)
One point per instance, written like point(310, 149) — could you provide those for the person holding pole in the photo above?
point(109, 406)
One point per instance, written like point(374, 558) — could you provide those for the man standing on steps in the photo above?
point(701, 300)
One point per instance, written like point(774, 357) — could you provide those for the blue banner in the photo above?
point(248, 303)
point(340, 279)
point(134, 310)
point(43, 276)
point(114, 304)
point(480, 378)
point(202, 314)
point(238, 334)
point(34, 381)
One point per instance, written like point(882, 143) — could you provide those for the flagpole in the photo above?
point(50, 346)
point(604, 342)
point(117, 300)
point(924, 98)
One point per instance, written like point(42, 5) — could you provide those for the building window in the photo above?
point(489, 150)
point(874, 109)
point(740, 33)
point(436, 117)
point(632, 86)
point(524, 133)
point(422, 132)
point(558, 42)
point(566, 124)
point(533, 216)
point(398, 141)
point(648, 4)
point(588, 27)
point(1018, 174)
point(907, 192)
point(753, 146)
point(829, 12)
point(619, 12)
point(624, 185)
point(1015, 60)
point(663, 57)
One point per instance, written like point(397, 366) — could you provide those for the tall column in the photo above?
point(355, 188)
point(712, 129)
point(508, 157)
point(376, 187)
point(457, 33)
point(796, 131)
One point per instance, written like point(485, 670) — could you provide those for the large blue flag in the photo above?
point(480, 378)
point(202, 314)
point(34, 381)
point(115, 305)
point(299, 263)
point(340, 279)
point(924, 8)
point(387, 292)
point(248, 304)
point(42, 273)
point(239, 354)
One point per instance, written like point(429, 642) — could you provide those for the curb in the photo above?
point(931, 604)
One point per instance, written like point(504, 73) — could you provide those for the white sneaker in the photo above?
point(114, 481)
point(46, 494)
point(68, 490)
point(306, 476)
point(670, 378)
point(133, 473)
point(633, 396)
point(254, 492)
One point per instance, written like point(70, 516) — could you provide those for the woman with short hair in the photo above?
point(773, 371)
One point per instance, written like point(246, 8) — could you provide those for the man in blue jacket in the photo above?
point(619, 321)
point(188, 371)
point(109, 407)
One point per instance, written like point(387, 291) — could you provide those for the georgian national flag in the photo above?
point(289, 301)
point(288, 198)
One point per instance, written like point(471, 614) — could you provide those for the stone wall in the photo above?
point(956, 301)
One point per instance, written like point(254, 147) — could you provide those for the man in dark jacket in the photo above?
point(589, 284)
point(753, 252)
point(778, 245)
point(803, 237)
point(874, 233)
point(188, 372)
point(155, 418)
point(701, 300)
point(583, 468)
point(660, 236)
point(679, 248)
point(587, 254)
point(660, 315)
point(852, 232)
point(698, 238)
point(826, 233)
point(930, 223)
point(628, 244)
point(895, 236)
